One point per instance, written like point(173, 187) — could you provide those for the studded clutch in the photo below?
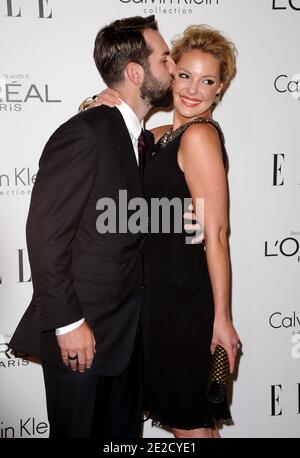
point(219, 376)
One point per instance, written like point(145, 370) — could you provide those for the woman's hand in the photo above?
point(225, 334)
point(108, 97)
point(191, 224)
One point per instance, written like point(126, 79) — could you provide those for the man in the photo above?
point(84, 321)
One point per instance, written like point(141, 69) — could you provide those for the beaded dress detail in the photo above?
point(171, 134)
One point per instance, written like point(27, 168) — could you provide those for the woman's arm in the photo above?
point(200, 157)
point(108, 97)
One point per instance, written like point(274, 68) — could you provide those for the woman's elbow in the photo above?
point(217, 235)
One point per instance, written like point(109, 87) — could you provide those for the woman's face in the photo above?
point(196, 83)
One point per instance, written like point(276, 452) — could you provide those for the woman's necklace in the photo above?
point(171, 134)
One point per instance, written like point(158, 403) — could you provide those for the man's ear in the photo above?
point(135, 73)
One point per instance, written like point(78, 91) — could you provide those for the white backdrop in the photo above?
point(46, 69)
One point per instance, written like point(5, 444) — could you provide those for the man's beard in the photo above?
point(154, 92)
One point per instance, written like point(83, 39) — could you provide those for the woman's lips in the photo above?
point(188, 101)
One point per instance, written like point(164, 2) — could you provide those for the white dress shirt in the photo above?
point(134, 128)
point(133, 125)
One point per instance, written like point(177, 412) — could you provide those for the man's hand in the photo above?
point(193, 225)
point(78, 347)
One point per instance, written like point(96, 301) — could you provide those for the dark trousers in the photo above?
point(92, 406)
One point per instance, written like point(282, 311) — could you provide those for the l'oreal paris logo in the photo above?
point(287, 247)
point(16, 90)
point(286, 5)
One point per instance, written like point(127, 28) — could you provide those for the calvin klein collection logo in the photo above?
point(14, 8)
point(277, 320)
point(18, 182)
point(170, 7)
point(286, 4)
point(26, 427)
point(284, 84)
point(16, 90)
point(291, 322)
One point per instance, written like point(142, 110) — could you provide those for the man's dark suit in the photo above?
point(77, 272)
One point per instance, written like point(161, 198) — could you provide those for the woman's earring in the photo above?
point(217, 98)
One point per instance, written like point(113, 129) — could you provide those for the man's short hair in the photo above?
point(122, 42)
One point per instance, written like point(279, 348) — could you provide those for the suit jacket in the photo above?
point(76, 271)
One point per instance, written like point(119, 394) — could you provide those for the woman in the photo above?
point(189, 312)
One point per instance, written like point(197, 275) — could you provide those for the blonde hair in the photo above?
point(207, 39)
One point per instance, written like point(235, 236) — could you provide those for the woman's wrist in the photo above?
point(222, 315)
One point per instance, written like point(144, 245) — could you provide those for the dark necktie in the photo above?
point(142, 153)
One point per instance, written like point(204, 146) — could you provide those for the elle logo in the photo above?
point(14, 8)
point(278, 177)
point(276, 405)
point(23, 277)
point(282, 165)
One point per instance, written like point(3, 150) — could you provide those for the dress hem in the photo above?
point(210, 422)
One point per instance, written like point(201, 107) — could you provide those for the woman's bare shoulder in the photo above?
point(201, 135)
point(159, 131)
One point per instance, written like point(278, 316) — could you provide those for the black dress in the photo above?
point(180, 317)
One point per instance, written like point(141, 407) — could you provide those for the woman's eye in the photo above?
point(208, 82)
point(183, 75)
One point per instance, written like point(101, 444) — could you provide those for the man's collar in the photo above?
point(131, 120)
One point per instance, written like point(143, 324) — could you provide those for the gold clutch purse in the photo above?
point(219, 376)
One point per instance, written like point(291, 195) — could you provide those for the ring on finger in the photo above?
point(73, 358)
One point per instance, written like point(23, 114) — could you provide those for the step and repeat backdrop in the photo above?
point(46, 69)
